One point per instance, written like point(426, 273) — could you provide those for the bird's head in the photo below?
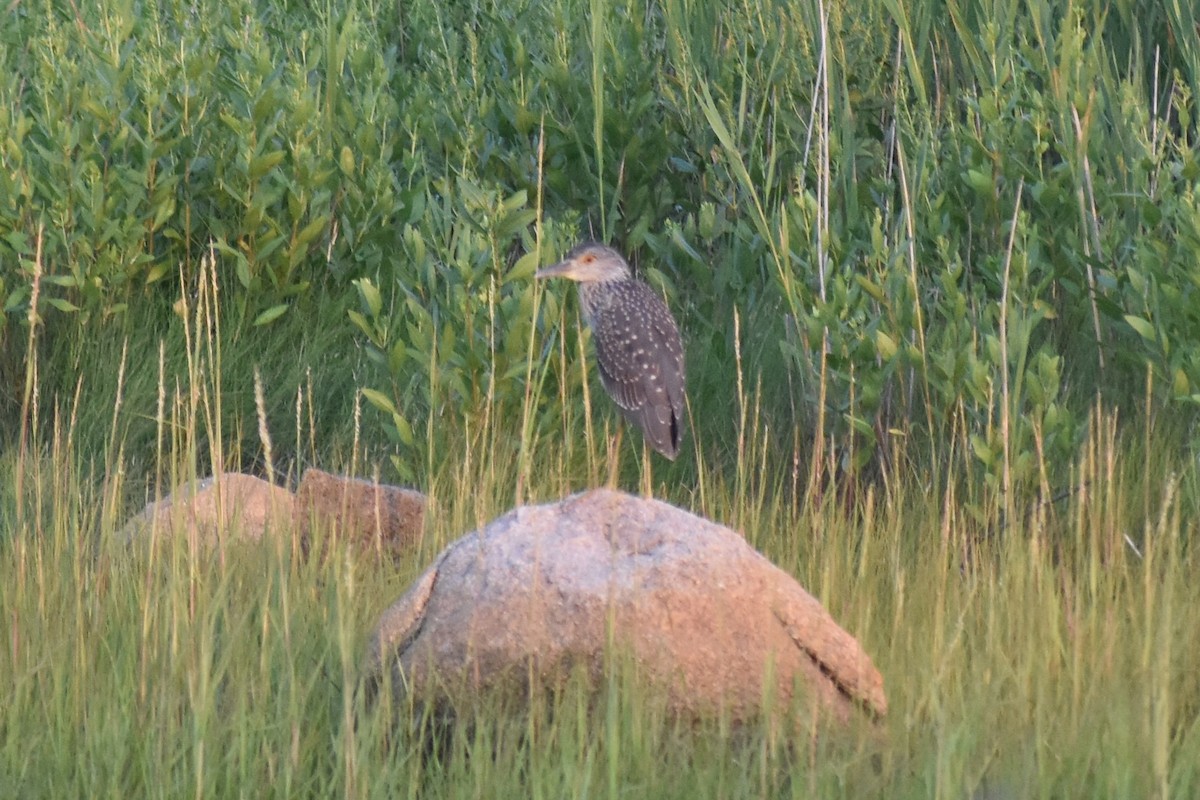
point(589, 263)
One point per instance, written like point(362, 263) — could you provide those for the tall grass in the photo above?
point(1051, 656)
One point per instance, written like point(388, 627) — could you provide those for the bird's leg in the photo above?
point(614, 456)
point(647, 476)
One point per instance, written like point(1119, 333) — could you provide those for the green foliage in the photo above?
point(139, 136)
point(456, 325)
point(960, 221)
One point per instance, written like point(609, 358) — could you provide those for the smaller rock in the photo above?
point(230, 505)
point(366, 513)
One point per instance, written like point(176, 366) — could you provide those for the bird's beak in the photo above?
point(555, 270)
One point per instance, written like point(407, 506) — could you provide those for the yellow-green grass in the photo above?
point(1052, 655)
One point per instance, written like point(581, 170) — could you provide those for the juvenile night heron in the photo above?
point(637, 342)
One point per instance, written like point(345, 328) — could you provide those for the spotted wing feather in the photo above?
point(641, 362)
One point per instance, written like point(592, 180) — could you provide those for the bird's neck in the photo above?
point(595, 296)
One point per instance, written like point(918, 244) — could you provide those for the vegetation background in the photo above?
point(937, 263)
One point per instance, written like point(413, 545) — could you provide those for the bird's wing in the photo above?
point(671, 361)
point(672, 378)
point(624, 383)
point(641, 365)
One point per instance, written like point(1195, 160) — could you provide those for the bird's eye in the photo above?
point(588, 259)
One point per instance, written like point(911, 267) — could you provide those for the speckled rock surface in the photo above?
point(372, 515)
point(706, 617)
point(237, 506)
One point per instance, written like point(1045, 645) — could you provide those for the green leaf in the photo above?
point(524, 268)
point(981, 182)
point(1151, 213)
point(261, 165)
point(156, 273)
point(270, 315)
point(885, 345)
point(360, 322)
point(1181, 386)
point(515, 202)
point(243, 271)
point(381, 401)
point(16, 298)
point(863, 426)
point(396, 357)
point(982, 451)
point(403, 429)
point(63, 305)
point(310, 231)
point(268, 249)
point(871, 288)
point(1136, 279)
point(18, 241)
point(514, 222)
point(370, 295)
point(1143, 327)
point(403, 468)
point(163, 213)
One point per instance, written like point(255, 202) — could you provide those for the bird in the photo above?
point(637, 342)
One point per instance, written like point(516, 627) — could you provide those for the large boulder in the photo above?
point(705, 617)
